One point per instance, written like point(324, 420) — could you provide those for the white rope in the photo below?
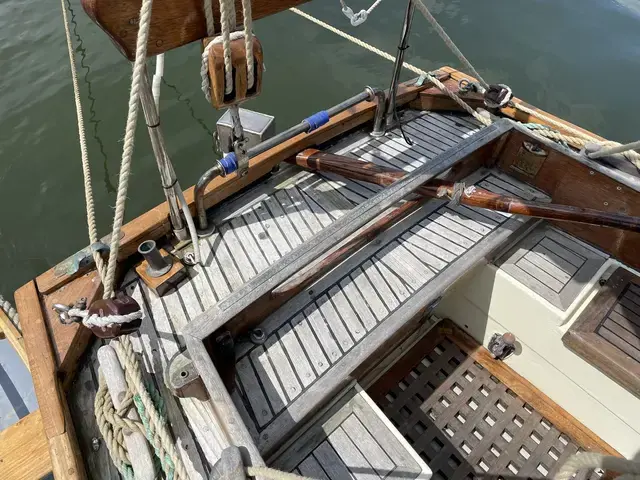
point(591, 460)
point(603, 152)
point(227, 23)
point(441, 86)
point(10, 311)
point(248, 41)
point(359, 18)
point(86, 171)
point(103, 321)
point(129, 141)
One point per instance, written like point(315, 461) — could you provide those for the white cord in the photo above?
point(157, 80)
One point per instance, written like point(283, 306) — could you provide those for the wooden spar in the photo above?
point(174, 23)
point(474, 197)
point(306, 277)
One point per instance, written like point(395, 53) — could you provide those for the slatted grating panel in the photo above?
point(552, 263)
point(622, 324)
point(465, 423)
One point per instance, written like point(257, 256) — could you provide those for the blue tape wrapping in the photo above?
point(317, 120)
point(229, 163)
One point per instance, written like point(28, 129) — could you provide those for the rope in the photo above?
point(129, 141)
point(591, 460)
point(359, 18)
point(447, 40)
point(104, 321)
point(150, 407)
point(86, 171)
point(10, 311)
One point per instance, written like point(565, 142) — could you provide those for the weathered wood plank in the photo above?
point(283, 368)
point(66, 457)
point(359, 303)
point(296, 354)
point(268, 379)
point(319, 326)
point(351, 456)
point(333, 320)
point(310, 344)
point(345, 311)
point(369, 294)
point(24, 449)
point(381, 286)
point(261, 408)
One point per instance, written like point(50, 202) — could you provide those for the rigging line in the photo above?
point(93, 120)
point(86, 170)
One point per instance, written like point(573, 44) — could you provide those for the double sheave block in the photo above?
point(240, 91)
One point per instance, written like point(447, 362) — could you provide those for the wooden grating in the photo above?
point(607, 333)
point(445, 397)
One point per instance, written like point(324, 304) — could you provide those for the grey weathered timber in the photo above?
point(553, 264)
point(216, 317)
point(351, 439)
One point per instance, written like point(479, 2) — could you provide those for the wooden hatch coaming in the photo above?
point(607, 333)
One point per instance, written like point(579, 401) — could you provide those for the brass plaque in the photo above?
point(529, 159)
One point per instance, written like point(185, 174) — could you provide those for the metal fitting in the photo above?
point(157, 265)
point(204, 229)
point(381, 109)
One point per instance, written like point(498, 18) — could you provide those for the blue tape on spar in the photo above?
point(316, 120)
point(229, 163)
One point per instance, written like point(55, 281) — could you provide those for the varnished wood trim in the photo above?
point(65, 453)
point(155, 223)
point(528, 392)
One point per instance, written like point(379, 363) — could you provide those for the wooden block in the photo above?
point(240, 92)
point(24, 449)
point(160, 285)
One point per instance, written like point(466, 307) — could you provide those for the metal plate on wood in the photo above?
point(553, 264)
point(607, 333)
point(352, 440)
point(463, 421)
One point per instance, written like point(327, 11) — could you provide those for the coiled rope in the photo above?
point(150, 407)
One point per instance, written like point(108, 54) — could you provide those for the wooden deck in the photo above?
point(325, 327)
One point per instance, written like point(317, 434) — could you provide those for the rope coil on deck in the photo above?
point(150, 407)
